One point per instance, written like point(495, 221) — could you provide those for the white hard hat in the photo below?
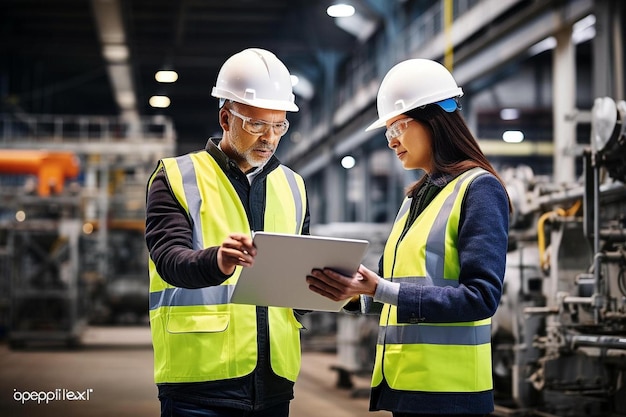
point(414, 83)
point(258, 78)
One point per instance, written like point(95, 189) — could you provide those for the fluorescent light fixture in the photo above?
point(542, 46)
point(583, 30)
point(509, 114)
point(125, 99)
point(166, 76)
point(584, 23)
point(357, 25)
point(302, 87)
point(348, 162)
point(160, 102)
point(115, 53)
point(340, 10)
point(513, 136)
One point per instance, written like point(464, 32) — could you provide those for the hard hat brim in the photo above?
point(449, 105)
point(382, 122)
point(260, 103)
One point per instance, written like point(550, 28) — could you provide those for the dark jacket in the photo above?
point(168, 237)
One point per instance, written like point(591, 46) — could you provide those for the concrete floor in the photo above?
point(112, 376)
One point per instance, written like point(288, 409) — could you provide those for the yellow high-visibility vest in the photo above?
point(431, 357)
point(197, 335)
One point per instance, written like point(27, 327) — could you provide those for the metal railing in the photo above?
point(62, 131)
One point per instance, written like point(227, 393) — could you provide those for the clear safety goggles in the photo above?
point(397, 128)
point(260, 127)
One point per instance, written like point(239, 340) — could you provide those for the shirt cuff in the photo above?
point(387, 292)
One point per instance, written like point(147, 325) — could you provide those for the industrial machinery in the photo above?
point(45, 297)
point(72, 249)
point(559, 335)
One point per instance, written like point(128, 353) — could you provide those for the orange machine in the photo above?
point(51, 167)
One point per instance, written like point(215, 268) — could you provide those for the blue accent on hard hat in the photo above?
point(449, 104)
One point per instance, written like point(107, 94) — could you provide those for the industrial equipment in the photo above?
point(72, 250)
point(559, 335)
point(40, 240)
point(122, 296)
point(48, 302)
point(51, 168)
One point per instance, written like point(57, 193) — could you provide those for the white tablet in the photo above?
point(278, 277)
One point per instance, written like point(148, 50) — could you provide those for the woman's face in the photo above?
point(413, 145)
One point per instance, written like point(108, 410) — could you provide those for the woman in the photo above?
point(442, 269)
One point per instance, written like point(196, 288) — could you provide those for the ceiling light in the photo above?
point(302, 87)
point(542, 46)
point(125, 99)
point(584, 23)
point(509, 114)
point(357, 25)
point(20, 216)
point(87, 228)
point(340, 10)
point(160, 102)
point(115, 53)
point(513, 136)
point(348, 162)
point(583, 30)
point(166, 76)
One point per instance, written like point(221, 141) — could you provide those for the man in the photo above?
point(213, 358)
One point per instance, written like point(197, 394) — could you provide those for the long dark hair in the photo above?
point(455, 149)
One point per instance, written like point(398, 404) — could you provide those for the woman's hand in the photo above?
point(236, 249)
point(338, 287)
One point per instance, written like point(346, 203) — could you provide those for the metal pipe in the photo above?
point(572, 194)
point(541, 310)
point(596, 241)
point(602, 341)
point(578, 300)
point(613, 235)
point(615, 256)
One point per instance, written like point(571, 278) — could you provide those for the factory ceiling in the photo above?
point(99, 57)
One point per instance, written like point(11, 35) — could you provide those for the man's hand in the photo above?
point(236, 249)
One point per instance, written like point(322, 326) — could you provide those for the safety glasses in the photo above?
point(397, 128)
point(260, 127)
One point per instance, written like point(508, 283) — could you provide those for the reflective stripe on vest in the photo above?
point(191, 297)
point(190, 325)
point(431, 357)
point(436, 334)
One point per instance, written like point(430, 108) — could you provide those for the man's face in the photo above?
point(251, 134)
